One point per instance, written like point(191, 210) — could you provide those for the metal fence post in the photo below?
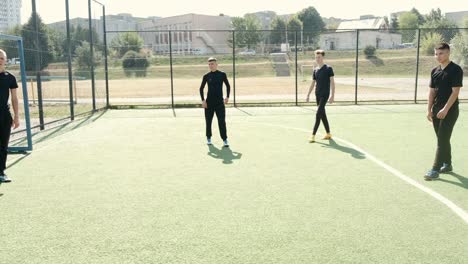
point(295, 40)
point(172, 71)
point(417, 68)
point(91, 49)
point(357, 68)
point(69, 60)
point(106, 63)
point(38, 67)
point(234, 66)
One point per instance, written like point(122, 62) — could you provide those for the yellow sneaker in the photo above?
point(328, 136)
point(312, 139)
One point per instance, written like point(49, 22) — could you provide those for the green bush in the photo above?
point(84, 61)
point(369, 51)
point(135, 63)
point(460, 49)
point(429, 41)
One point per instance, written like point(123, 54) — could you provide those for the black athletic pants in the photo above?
point(5, 130)
point(443, 129)
point(321, 114)
point(220, 111)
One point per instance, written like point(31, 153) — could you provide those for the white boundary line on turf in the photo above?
point(451, 205)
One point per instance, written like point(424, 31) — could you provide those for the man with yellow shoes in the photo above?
point(324, 83)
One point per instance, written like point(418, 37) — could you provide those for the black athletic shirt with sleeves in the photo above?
point(215, 82)
point(7, 82)
point(322, 77)
point(443, 80)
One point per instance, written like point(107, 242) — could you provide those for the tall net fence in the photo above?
point(271, 67)
point(64, 62)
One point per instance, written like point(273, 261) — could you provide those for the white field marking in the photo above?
point(451, 205)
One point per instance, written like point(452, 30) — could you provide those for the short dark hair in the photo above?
point(442, 46)
point(211, 59)
point(319, 51)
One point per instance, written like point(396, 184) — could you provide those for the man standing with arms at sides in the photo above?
point(214, 102)
point(324, 80)
point(8, 85)
point(442, 108)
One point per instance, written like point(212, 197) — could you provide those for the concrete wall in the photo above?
point(184, 41)
point(347, 40)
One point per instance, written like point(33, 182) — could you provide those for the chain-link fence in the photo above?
point(77, 67)
point(268, 67)
point(64, 61)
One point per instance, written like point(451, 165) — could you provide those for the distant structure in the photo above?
point(183, 40)
point(10, 14)
point(374, 31)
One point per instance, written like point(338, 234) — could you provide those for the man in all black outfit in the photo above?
point(215, 102)
point(8, 86)
point(442, 108)
point(324, 83)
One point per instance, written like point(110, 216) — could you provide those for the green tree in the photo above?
point(126, 42)
point(278, 35)
point(312, 24)
point(387, 22)
point(394, 24)
point(443, 26)
point(83, 59)
point(434, 15)
point(421, 19)
point(247, 31)
point(79, 35)
point(56, 40)
point(10, 47)
point(294, 27)
point(428, 42)
point(32, 46)
point(407, 21)
point(460, 49)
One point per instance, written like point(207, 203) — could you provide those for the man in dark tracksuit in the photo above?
point(442, 109)
point(7, 85)
point(325, 92)
point(215, 103)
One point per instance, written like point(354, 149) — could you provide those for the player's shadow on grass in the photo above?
point(354, 153)
point(225, 154)
point(462, 180)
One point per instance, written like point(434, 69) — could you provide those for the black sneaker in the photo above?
point(4, 178)
point(446, 168)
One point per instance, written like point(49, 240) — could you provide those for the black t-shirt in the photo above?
point(443, 80)
point(7, 82)
point(215, 82)
point(322, 77)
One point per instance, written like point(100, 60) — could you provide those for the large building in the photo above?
point(183, 40)
point(457, 17)
point(120, 22)
point(10, 14)
point(365, 22)
point(373, 32)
